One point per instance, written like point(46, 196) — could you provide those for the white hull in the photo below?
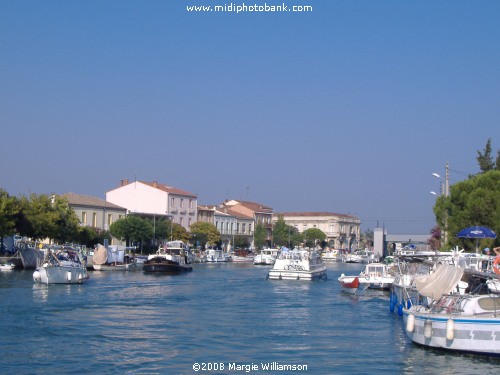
point(49, 274)
point(475, 329)
point(319, 273)
point(118, 267)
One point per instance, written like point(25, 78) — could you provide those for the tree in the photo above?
point(36, 218)
point(131, 229)
point(485, 160)
point(435, 240)
point(8, 210)
point(284, 234)
point(203, 232)
point(475, 201)
point(67, 223)
point(260, 236)
point(314, 236)
point(241, 242)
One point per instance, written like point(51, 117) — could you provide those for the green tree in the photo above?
point(485, 159)
point(176, 232)
point(36, 218)
point(203, 232)
point(241, 242)
point(284, 234)
point(131, 229)
point(314, 236)
point(8, 211)
point(260, 236)
point(67, 223)
point(475, 201)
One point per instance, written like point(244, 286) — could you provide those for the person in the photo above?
point(497, 250)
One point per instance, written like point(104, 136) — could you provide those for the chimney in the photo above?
point(155, 184)
point(124, 182)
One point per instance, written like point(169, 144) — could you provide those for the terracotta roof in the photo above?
point(168, 189)
point(256, 207)
point(84, 200)
point(312, 214)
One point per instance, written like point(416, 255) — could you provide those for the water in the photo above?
point(220, 314)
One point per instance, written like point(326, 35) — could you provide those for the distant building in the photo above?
point(342, 231)
point(156, 199)
point(95, 212)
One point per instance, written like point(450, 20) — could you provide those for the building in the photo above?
point(156, 199)
point(342, 231)
point(249, 214)
point(95, 212)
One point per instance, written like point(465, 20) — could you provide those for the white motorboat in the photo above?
point(332, 256)
point(60, 267)
point(298, 265)
point(267, 257)
point(374, 276)
point(216, 256)
point(7, 266)
point(242, 256)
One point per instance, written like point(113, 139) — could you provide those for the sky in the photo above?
point(347, 108)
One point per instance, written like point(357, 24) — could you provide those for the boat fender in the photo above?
point(428, 329)
point(37, 276)
point(496, 265)
point(450, 329)
point(68, 275)
point(391, 306)
point(410, 323)
point(400, 309)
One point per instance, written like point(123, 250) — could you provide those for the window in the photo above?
point(172, 202)
point(84, 218)
point(94, 220)
point(182, 203)
point(243, 227)
point(182, 221)
point(110, 219)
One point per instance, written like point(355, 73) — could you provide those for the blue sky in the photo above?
point(349, 108)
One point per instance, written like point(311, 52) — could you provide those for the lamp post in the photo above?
point(445, 190)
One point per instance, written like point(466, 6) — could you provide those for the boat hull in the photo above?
point(159, 265)
point(316, 274)
point(470, 334)
point(60, 275)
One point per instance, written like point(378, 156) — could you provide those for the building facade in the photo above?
point(156, 199)
point(342, 231)
point(95, 212)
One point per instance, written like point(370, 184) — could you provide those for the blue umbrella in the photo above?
point(477, 232)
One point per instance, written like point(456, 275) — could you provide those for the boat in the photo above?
point(216, 256)
point(374, 276)
point(332, 256)
point(451, 320)
point(60, 267)
point(7, 266)
point(113, 258)
point(170, 258)
point(349, 284)
point(242, 256)
point(298, 264)
point(267, 257)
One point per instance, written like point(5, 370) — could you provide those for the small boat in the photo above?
point(349, 284)
point(60, 267)
point(170, 258)
point(216, 256)
point(113, 258)
point(453, 321)
point(7, 266)
point(374, 276)
point(267, 257)
point(332, 256)
point(298, 265)
point(242, 256)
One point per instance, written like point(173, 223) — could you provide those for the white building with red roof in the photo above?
point(154, 198)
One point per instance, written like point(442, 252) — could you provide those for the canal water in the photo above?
point(218, 319)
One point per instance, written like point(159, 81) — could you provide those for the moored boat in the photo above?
point(216, 256)
point(60, 267)
point(267, 257)
point(298, 265)
point(374, 276)
point(170, 258)
point(242, 256)
point(7, 266)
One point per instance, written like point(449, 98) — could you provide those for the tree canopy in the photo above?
point(260, 236)
point(131, 229)
point(203, 232)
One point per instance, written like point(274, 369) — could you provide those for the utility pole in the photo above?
point(446, 194)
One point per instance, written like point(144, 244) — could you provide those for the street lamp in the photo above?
point(446, 192)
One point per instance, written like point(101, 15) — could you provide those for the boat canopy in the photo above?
point(444, 280)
